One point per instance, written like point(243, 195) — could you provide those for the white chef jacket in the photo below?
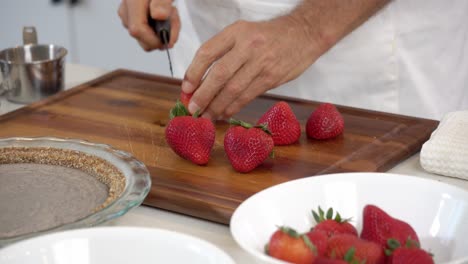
point(410, 58)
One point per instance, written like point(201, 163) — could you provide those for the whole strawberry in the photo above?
point(332, 225)
point(354, 250)
point(190, 137)
point(325, 122)
point(410, 253)
point(282, 123)
point(320, 241)
point(247, 146)
point(288, 245)
point(378, 227)
point(322, 260)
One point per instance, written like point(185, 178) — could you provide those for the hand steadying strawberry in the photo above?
point(332, 225)
point(355, 250)
point(247, 146)
point(325, 122)
point(282, 123)
point(288, 245)
point(191, 137)
point(378, 227)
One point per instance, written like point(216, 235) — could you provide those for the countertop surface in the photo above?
point(217, 234)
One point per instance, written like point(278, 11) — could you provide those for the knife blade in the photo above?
point(162, 28)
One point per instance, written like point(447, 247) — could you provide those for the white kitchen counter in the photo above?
point(217, 234)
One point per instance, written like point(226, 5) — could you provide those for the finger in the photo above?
point(236, 86)
point(257, 87)
point(217, 77)
point(206, 55)
point(123, 14)
point(160, 9)
point(175, 27)
point(138, 25)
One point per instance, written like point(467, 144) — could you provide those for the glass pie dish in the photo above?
point(126, 180)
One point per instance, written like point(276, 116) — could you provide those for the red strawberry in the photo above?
point(320, 240)
point(353, 249)
point(321, 260)
point(409, 254)
point(332, 225)
point(191, 137)
point(282, 123)
point(378, 227)
point(325, 122)
point(288, 245)
point(185, 98)
point(247, 146)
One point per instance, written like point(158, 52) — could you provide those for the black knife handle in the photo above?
point(162, 28)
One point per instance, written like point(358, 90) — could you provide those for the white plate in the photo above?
point(437, 211)
point(116, 245)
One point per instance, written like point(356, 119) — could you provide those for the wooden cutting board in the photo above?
point(129, 111)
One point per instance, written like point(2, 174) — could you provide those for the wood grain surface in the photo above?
point(129, 111)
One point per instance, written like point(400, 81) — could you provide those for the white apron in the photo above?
point(410, 58)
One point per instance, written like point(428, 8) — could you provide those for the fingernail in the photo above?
point(207, 115)
point(187, 87)
point(193, 107)
point(162, 12)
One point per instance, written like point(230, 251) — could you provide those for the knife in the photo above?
point(162, 28)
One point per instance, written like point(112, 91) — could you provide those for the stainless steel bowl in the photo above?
point(32, 72)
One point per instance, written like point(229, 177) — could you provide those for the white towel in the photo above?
point(446, 152)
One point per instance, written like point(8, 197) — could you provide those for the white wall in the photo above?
point(91, 31)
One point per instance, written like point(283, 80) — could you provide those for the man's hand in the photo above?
point(248, 58)
point(134, 16)
point(245, 60)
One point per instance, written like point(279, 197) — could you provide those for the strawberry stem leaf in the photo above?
point(290, 231)
point(196, 114)
point(309, 244)
point(178, 110)
point(321, 213)
point(272, 154)
point(316, 217)
point(338, 217)
point(264, 127)
point(393, 244)
point(236, 122)
point(330, 213)
point(349, 256)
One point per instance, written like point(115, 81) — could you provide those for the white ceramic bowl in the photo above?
point(438, 212)
point(116, 245)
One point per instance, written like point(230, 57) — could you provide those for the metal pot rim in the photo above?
point(63, 52)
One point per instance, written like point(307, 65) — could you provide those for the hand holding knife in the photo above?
point(162, 28)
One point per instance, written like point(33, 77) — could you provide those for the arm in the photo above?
point(249, 58)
